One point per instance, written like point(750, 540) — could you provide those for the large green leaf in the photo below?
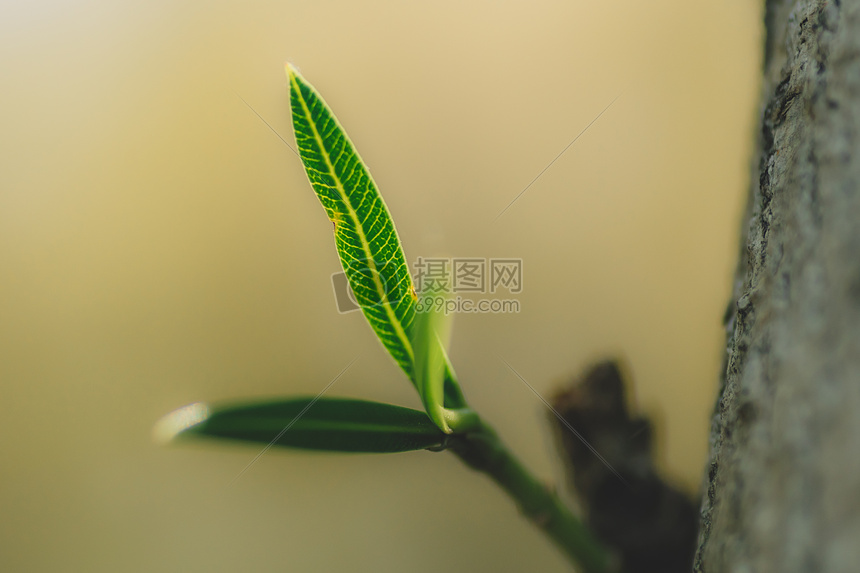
point(364, 232)
point(330, 424)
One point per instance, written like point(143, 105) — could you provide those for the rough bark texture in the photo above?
point(783, 484)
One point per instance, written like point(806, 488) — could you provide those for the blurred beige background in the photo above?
point(159, 245)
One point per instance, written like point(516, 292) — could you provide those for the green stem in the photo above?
point(482, 450)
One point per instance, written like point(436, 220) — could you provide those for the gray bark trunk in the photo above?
point(783, 483)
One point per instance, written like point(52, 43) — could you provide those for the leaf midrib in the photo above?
point(329, 425)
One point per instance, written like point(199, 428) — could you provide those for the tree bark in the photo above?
point(783, 481)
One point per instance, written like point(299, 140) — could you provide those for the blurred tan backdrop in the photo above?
point(159, 245)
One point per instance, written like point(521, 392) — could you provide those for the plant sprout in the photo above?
point(416, 337)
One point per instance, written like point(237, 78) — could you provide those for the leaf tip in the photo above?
point(292, 70)
point(178, 421)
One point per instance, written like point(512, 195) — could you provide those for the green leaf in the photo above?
point(430, 334)
point(364, 233)
point(330, 424)
point(366, 239)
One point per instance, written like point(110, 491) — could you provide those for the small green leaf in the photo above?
point(431, 331)
point(330, 424)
